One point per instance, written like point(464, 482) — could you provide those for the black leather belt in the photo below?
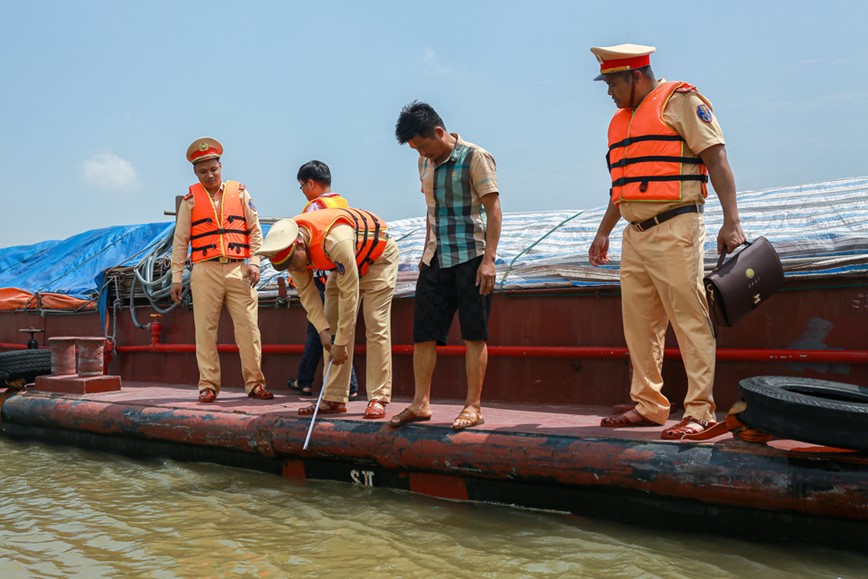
point(227, 259)
point(665, 216)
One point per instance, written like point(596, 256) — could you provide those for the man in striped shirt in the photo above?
point(459, 181)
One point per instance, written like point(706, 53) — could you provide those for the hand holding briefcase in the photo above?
point(746, 280)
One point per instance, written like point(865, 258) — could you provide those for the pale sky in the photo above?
point(100, 99)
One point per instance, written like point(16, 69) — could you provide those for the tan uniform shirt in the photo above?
point(183, 230)
point(680, 114)
point(340, 245)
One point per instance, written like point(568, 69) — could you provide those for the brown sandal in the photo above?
point(207, 395)
point(325, 407)
point(406, 416)
point(623, 420)
point(686, 427)
point(376, 409)
point(467, 419)
point(260, 393)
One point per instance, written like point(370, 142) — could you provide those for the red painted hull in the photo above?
point(553, 457)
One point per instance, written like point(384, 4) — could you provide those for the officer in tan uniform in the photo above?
point(664, 144)
point(355, 247)
point(219, 221)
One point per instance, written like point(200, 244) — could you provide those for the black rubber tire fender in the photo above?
point(816, 411)
point(26, 364)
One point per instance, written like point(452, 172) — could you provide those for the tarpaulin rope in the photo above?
point(532, 245)
point(31, 256)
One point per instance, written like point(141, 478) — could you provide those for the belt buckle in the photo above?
point(655, 219)
point(223, 259)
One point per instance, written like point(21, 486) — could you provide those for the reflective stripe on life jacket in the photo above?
point(325, 201)
point(231, 238)
point(371, 235)
point(646, 156)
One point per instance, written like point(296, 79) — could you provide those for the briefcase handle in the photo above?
point(723, 253)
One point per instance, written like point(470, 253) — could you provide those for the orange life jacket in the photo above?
point(371, 235)
point(231, 237)
point(326, 201)
point(646, 156)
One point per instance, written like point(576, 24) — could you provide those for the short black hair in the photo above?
point(316, 170)
point(417, 119)
point(626, 74)
point(647, 72)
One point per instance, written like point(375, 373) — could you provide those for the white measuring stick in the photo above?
point(316, 408)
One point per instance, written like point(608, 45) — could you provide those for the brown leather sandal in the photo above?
point(376, 409)
point(623, 420)
point(468, 419)
point(685, 427)
point(406, 416)
point(207, 395)
point(325, 407)
point(259, 392)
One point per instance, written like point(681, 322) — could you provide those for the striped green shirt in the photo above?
point(454, 191)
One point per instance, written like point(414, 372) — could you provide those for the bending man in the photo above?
point(355, 247)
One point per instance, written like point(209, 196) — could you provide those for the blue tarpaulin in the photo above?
point(74, 267)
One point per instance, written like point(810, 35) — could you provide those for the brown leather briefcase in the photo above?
point(747, 279)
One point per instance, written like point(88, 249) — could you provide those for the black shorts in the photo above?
point(439, 292)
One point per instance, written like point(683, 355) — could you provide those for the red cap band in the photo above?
point(609, 66)
point(281, 257)
point(198, 154)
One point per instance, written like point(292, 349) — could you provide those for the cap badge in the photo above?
point(704, 113)
point(203, 146)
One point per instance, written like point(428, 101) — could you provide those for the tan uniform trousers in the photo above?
point(213, 284)
point(661, 282)
point(376, 288)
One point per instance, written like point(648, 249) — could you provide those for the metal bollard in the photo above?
point(89, 356)
point(62, 355)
